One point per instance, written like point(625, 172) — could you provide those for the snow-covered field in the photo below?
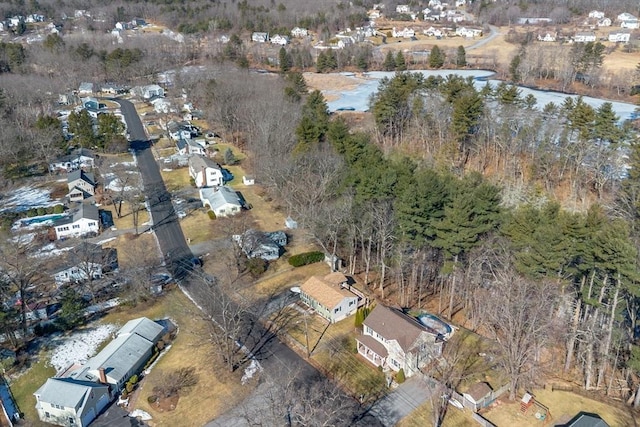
point(27, 197)
point(79, 346)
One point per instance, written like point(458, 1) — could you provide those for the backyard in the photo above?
point(562, 406)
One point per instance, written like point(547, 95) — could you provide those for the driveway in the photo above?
point(402, 401)
point(494, 33)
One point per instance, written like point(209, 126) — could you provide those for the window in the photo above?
point(71, 420)
point(75, 226)
point(47, 415)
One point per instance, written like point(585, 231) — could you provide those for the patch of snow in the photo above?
point(79, 346)
point(24, 239)
point(250, 371)
point(139, 413)
point(27, 197)
point(51, 250)
point(97, 308)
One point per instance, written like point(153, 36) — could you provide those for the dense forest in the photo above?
point(520, 223)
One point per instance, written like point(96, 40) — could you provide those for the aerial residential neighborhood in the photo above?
point(319, 213)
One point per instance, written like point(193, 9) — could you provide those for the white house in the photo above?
point(604, 22)
point(83, 220)
point(85, 89)
point(78, 158)
point(625, 16)
point(621, 36)
point(374, 14)
point(403, 8)
point(584, 37)
point(279, 40)
point(395, 340)
point(631, 24)
point(433, 32)
point(248, 180)
point(299, 32)
point(161, 105)
point(223, 201)
point(461, 3)
point(260, 37)
point(150, 91)
point(596, 14)
point(406, 33)
point(454, 16)
point(190, 147)
point(468, 32)
point(205, 172)
point(547, 37)
point(330, 296)
point(258, 244)
point(68, 402)
point(68, 273)
point(81, 185)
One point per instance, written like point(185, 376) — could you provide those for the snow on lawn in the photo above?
point(113, 183)
point(27, 197)
point(250, 371)
point(79, 346)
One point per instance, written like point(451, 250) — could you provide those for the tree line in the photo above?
point(468, 218)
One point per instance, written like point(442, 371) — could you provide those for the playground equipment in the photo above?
point(528, 400)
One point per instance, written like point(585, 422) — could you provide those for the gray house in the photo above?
point(67, 402)
point(78, 395)
point(124, 356)
point(259, 244)
point(81, 184)
point(223, 201)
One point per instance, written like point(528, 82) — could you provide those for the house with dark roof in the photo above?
point(191, 147)
point(395, 340)
point(67, 402)
point(205, 172)
point(84, 220)
point(331, 296)
point(81, 184)
point(260, 244)
point(585, 419)
point(223, 201)
point(76, 159)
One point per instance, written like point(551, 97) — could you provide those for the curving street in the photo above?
point(276, 358)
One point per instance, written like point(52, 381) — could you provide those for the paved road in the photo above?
point(167, 229)
point(494, 33)
point(275, 357)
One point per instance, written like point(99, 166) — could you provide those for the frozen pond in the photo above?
point(357, 99)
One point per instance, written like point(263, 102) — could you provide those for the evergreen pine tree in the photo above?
point(389, 63)
point(401, 64)
point(461, 57)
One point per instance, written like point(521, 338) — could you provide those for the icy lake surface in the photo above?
point(357, 99)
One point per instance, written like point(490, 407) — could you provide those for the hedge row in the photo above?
point(306, 258)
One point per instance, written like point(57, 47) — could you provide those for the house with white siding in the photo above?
point(331, 296)
point(81, 185)
point(223, 200)
point(622, 36)
point(82, 221)
point(67, 402)
point(205, 172)
point(584, 37)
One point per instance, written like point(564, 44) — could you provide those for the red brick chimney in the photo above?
point(103, 376)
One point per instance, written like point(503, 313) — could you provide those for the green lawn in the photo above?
point(26, 384)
